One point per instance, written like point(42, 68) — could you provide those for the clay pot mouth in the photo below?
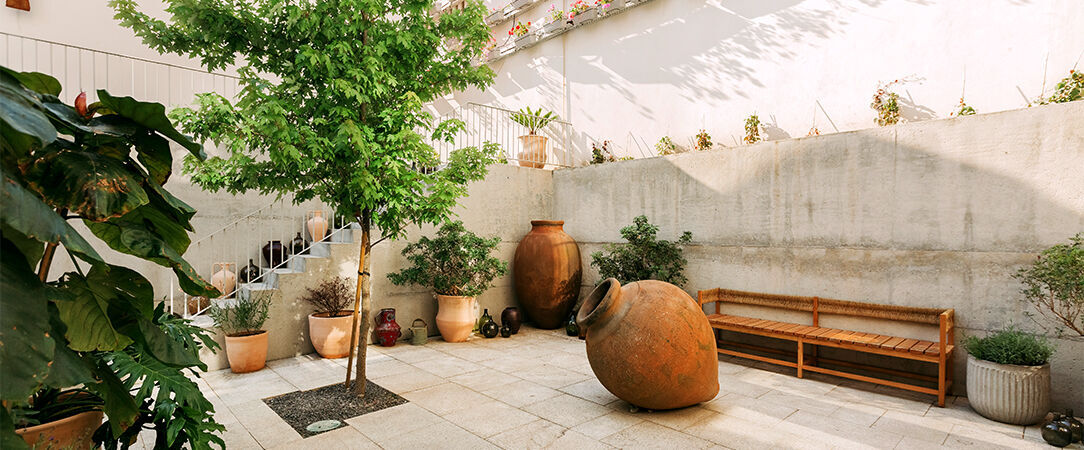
point(247, 334)
point(332, 315)
point(547, 223)
point(598, 302)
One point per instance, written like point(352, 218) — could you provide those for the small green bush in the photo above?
point(1010, 346)
point(1054, 284)
point(246, 316)
point(454, 262)
point(644, 257)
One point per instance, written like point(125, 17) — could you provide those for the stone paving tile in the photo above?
point(447, 366)
point(382, 425)
point(837, 433)
point(963, 436)
point(919, 427)
point(234, 388)
point(648, 435)
point(737, 433)
point(551, 376)
point(443, 435)
point(566, 410)
point(344, 438)
point(483, 379)
point(748, 408)
point(387, 368)
point(264, 425)
point(608, 424)
point(411, 354)
point(590, 390)
point(490, 418)
point(678, 419)
point(445, 398)
point(410, 381)
point(520, 393)
point(535, 435)
point(814, 405)
point(573, 440)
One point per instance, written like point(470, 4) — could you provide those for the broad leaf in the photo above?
point(25, 213)
point(68, 369)
point(91, 185)
point(38, 82)
point(120, 406)
point(21, 113)
point(155, 155)
point(167, 349)
point(86, 316)
point(150, 115)
point(8, 439)
point(25, 346)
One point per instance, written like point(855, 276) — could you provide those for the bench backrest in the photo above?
point(818, 305)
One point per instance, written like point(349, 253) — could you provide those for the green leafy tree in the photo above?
point(331, 107)
point(644, 257)
point(1054, 284)
point(454, 262)
point(103, 164)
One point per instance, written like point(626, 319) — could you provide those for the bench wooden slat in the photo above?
point(921, 347)
point(879, 341)
point(906, 344)
point(892, 343)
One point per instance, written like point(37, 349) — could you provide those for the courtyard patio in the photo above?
point(536, 390)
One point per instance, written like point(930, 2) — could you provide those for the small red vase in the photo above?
point(387, 331)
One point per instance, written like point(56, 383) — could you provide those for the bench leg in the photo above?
point(941, 375)
point(801, 358)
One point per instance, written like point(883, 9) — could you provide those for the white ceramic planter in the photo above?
point(554, 27)
point(586, 16)
point(1019, 395)
point(526, 41)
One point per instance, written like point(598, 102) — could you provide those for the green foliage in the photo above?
point(887, 103)
point(533, 120)
point(331, 297)
point(666, 146)
point(1054, 284)
point(963, 109)
point(245, 316)
point(703, 141)
point(105, 165)
point(644, 257)
point(601, 154)
point(1069, 89)
point(454, 262)
point(752, 130)
point(1010, 346)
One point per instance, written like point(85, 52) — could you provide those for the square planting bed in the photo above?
point(301, 409)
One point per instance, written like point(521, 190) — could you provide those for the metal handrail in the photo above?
point(509, 111)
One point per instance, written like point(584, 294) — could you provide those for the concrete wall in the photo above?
point(673, 67)
point(932, 214)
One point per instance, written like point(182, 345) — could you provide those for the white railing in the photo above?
point(84, 69)
point(549, 148)
point(222, 256)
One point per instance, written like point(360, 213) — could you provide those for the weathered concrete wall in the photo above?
point(938, 214)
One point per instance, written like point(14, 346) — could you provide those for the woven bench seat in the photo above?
point(813, 335)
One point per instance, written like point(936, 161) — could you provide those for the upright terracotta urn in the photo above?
point(650, 344)
point(546, 273)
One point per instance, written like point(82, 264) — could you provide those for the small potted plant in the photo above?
point(703, 141)
point(456, 264)
point(242, 323)
point(59, 419)
point(581, 12)
point(1008, 376)
point(329, 324)
point(534, 145)
point(557, 22)
point(752, 130)
point(666, 146)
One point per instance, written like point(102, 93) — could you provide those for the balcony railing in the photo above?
point(550, 147)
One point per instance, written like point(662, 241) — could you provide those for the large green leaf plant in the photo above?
point(331, 106)
point(97, 327)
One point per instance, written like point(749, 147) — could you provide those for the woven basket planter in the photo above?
point(1019, 395)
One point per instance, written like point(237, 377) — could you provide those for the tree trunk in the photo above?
point(362, 300)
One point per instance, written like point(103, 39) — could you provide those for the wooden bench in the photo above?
point(815, 336)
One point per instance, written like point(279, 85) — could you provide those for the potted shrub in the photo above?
point(242, 323)
point(59, 419)
point(1008, 376)
point(534, 146)
point(456, 264)
point(329, 324)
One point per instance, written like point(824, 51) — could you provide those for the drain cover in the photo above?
point(323, 425)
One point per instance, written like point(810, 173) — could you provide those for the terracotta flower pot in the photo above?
point(534, 151)
point(224, 279)
point(546, 274)
point(317, 226)
point(455, 317)
point(330, 335)
point(73, 432)
point(1019, 395)
point(650, 344)
point(247, 353)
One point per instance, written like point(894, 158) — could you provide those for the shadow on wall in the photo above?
point(935, 214)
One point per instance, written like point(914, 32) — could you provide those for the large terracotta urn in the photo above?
point(247, 353)
point(317, 225)
point(455, 317)
point(650, 344)
point(546, 273)
point(534, 151)
point(73, 432)
point(330, 334)
point(224, 279)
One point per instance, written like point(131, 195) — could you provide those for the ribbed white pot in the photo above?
point(1019, 395)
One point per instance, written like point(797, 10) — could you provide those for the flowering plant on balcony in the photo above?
point(603, 7)
point(520, 30)
point(577, 7)
point(555, 14)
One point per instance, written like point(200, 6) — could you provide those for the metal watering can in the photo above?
point(419, 334)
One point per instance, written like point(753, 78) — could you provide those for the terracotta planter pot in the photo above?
point(247, 353)
point(73, 432)
point(534, 149)
point(317, 226)
point(1019, 395)
point(224, 279)
point(455, 317)
point(650, 344)
point(546, 274)
point(330, 336)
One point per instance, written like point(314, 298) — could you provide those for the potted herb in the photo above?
point(59, 419)
point(242, 323)
point(456, 264)
point(329, 324)
point(1008, 376)
point(534, 146)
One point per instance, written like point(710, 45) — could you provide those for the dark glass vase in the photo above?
point(1074, 425)
point(297, 246)
point(489, 328)
point(249, 273)
point(505, 331)
point(571, 327)
point(274, 253)
point(510, 318)
point(1057, 432)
